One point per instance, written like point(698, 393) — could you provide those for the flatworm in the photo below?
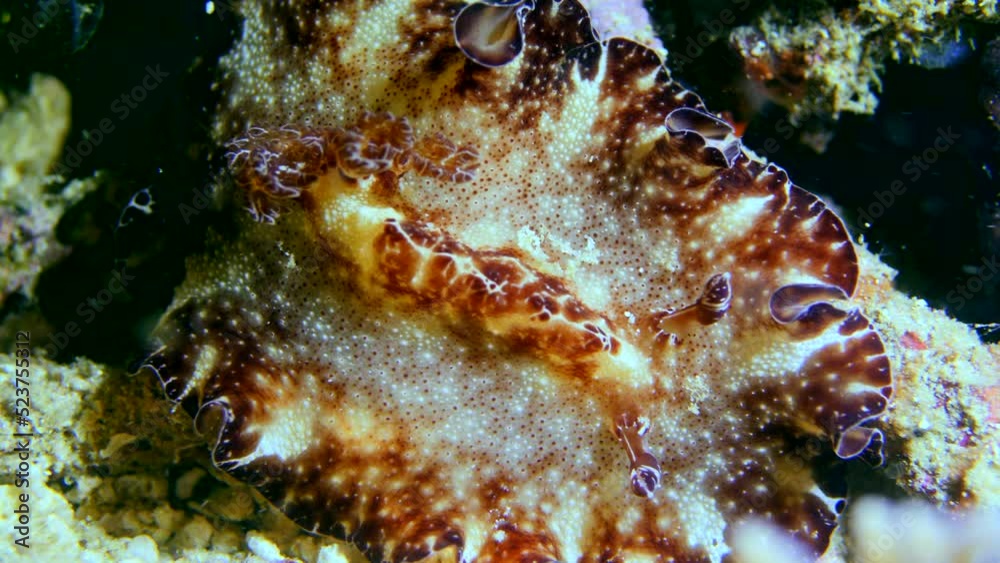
point(512, 294)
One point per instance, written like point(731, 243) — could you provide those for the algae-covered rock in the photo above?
point(33, 127)
point(826, 59)
point(945, 422)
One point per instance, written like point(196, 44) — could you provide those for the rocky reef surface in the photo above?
point(33, 126)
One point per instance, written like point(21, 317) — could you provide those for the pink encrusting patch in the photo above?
point(524, 300)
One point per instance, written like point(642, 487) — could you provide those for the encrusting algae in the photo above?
point(370, 287)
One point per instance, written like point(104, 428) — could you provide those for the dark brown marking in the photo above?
point(511, 544)
point(490, 33)
point(716, 133)
point(498, 284)
point(710, 307)
point(644, 468)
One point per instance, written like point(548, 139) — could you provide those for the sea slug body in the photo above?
point(513, 293)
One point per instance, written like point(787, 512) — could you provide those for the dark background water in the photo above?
point(160, 144)
point(935, 233)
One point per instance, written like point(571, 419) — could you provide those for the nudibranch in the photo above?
point(508, 292)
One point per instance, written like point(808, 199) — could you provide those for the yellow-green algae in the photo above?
point(845, 49)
